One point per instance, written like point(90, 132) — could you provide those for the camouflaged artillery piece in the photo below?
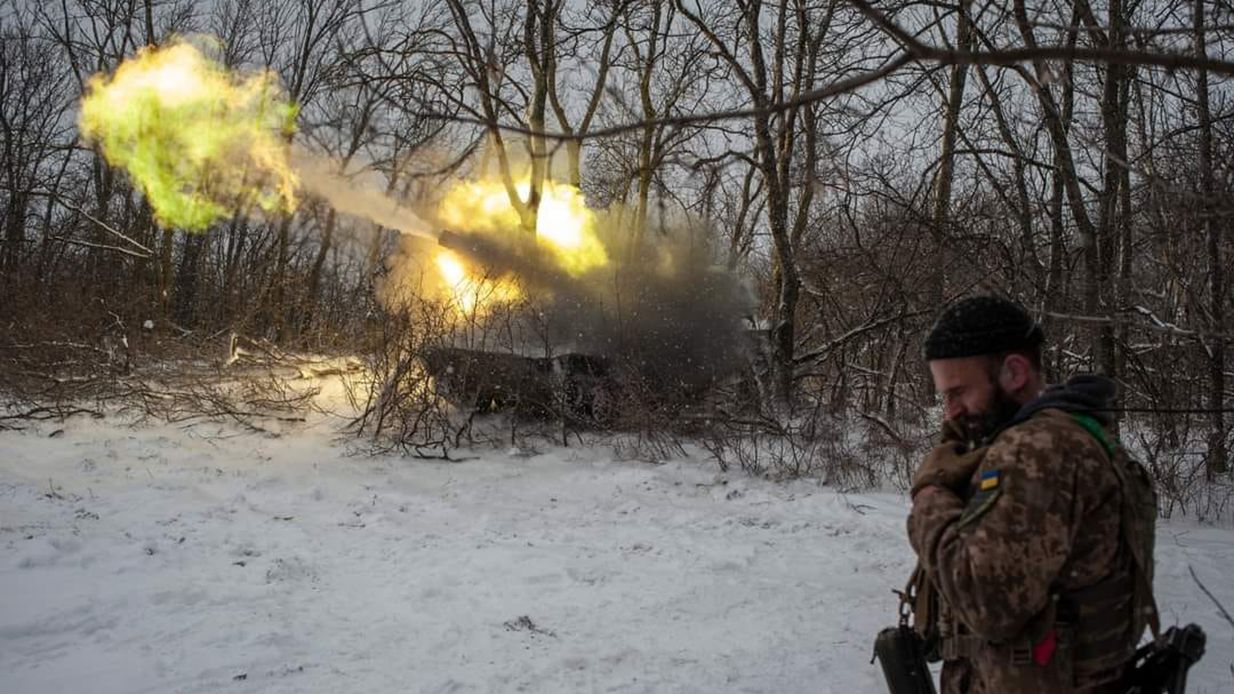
point(578, 387)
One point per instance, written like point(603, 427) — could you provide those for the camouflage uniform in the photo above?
point(1041, 521)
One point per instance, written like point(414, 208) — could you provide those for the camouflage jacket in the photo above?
point(1042, 519)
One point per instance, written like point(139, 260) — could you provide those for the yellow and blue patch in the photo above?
point(988, 491)
point(989, 480)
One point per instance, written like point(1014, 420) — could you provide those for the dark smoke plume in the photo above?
point(676, 320)
point(669, 315)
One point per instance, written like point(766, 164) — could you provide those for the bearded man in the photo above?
point(1016, 516)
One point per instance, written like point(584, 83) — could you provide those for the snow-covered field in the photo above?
point(163, 559)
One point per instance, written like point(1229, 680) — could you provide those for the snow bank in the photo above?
point(163, 559)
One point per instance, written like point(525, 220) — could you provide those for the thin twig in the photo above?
point(1016, 56)
point(100, 223)
point(1156, 324)
point(99, 246)
point(914, 52)
point(834, 89)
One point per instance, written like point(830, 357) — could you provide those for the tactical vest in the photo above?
point(1092, 632)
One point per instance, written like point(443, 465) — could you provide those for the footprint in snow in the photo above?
point(291, 570)
point(524, 623)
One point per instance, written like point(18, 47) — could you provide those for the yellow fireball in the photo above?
point(565, 226)
point(471, 295)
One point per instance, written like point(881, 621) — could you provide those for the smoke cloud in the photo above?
point(203, 142)
point(200, 141)
point(667, 315)
point(321, 177)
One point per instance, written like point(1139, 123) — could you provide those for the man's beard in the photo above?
point(982, 427)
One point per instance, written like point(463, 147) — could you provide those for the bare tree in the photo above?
point(1217, 462)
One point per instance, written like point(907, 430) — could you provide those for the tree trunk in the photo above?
point(314, 280)
point(537, 34)
point(278, 288)
point(1056, 292)
point(187, 280)
point(784, 315)
point(14, 232)
point(946, 167)
point(646, 142)
point(165, 273)
point(1216, 462)
point(1100, 262)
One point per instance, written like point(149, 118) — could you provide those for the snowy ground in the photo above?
point(160, 559)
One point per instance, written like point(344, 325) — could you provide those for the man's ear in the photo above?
point(1014, 373)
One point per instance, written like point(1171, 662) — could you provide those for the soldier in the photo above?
point(1016, 517)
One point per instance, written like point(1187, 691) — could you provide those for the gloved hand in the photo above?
point(953, 432)
point(950, 465)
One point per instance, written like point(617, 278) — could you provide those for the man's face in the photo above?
point(972, 396)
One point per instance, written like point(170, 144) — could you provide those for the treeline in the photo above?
point(862, 165)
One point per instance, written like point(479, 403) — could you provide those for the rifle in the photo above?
point(1160, 666)
point(901, 652)
point(904, 651)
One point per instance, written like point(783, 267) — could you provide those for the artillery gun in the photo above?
point(578, 387)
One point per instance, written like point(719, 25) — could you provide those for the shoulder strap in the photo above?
point(1092, 426)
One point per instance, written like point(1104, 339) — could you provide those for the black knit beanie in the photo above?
point(982, 325)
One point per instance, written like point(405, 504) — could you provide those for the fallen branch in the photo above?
point(45, 413)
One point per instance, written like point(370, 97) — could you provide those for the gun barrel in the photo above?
point(452, 240)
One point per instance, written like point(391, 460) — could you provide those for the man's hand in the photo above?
point(953, 432)
point(950, 465)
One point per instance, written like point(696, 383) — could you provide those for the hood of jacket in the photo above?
point(1088, 394)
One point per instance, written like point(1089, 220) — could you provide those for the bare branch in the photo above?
point(99, 246)
point(1008, 57)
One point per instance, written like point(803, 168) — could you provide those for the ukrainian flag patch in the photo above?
point(988, 491)
point(989, 480)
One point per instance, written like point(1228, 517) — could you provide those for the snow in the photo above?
point(170, 559)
